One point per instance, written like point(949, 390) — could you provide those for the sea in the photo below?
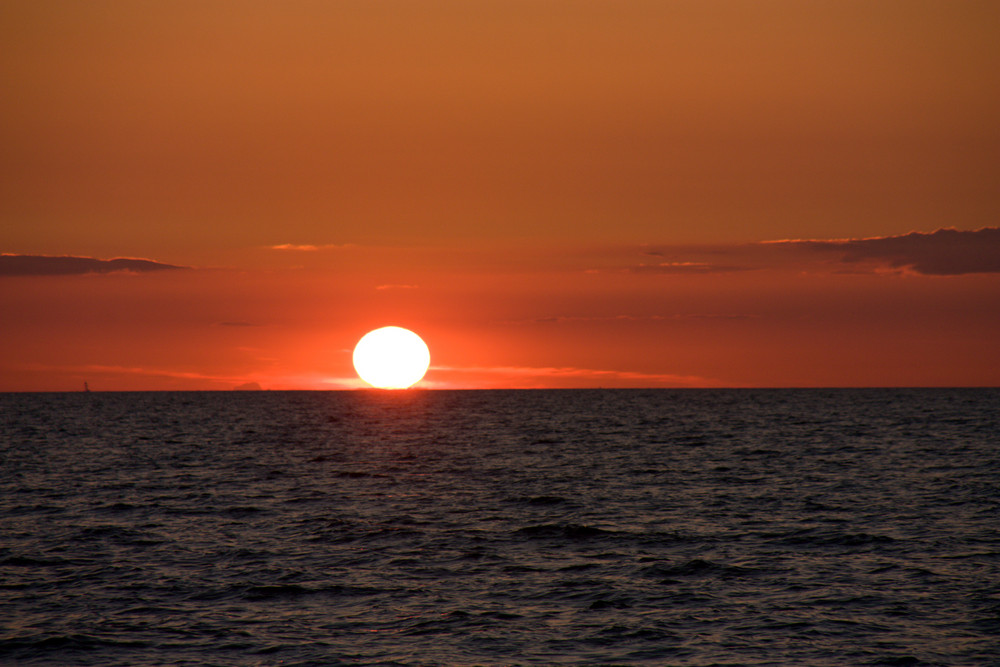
point(521, 527)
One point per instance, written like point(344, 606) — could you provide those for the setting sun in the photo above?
point(391, 358)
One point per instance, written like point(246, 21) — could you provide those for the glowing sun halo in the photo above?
point(391, 358)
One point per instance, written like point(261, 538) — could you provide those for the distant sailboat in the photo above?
point(86, 387)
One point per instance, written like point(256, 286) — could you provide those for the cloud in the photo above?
point(385, 287)
point(112, 370)
point(573, 319)
point(687, 268)
point(41, 265)
point(945, 252)
point(543, 373)
point(310, 248)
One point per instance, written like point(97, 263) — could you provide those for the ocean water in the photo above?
point(662, 527)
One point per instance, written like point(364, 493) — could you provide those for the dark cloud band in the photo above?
point(40, 265)
point(945, 252)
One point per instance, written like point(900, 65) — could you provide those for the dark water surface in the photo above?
point(688, 527)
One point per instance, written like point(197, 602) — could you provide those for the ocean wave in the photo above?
point(293, 591)
point(697, 568)
point(570, 531)
point(688, 528)
point(28, 648)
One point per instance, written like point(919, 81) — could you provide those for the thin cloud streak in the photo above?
point(107, 373)
point(553, 372)
point(103, 369)
point(305, 247)
point(687, 268)
point(572, 319)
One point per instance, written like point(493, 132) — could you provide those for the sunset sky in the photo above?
point(552, 194)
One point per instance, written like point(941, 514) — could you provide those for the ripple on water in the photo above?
point(552, 527)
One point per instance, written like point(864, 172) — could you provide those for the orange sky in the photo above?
point(550, 193)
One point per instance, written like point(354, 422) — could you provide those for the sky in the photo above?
point(711, 193)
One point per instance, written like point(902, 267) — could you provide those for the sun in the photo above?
point(391, 358)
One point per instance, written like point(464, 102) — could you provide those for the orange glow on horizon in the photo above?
point(563, 194)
